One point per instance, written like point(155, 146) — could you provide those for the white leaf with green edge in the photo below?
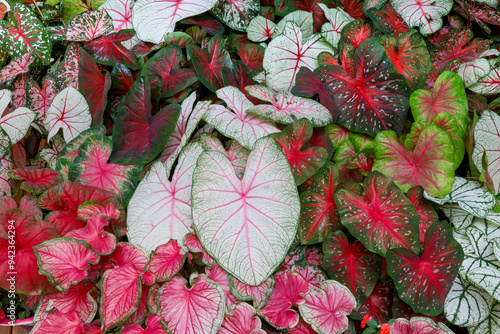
point(89, 25)
point(303, 19)
point(17, 123)
point(483, 255)
point(5, 98)
point(493, 217)
point(286, 108)
point(153, 20)
point(236, 14)
point(247, 225)
point(17, 66)
point(466, 305)
point(70, 112)
point(260, 29)
point(490, 325)
point(492, 3)
point(337, 18)
point(486, 278)
point(120, 12)
point(426, 14)
point(487, 143)
point(470, 196)
point(160, 210)
point(22, 32)
point(239, 125)
point(471, 72)
point(496, 248)
point(460, 218)
point(286, 54)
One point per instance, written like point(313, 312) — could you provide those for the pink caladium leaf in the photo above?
point(192, 242)
point(67, 71)
point(154, 325)
point(29, 233)
point(139, 135)
point(482, 13)
point(383, 218)
point(18, 87)
point(386, 19)
point(126, 253)
point(301, 328)
point(418, 325)
point(236, 14)
point(89, 25)
point(18, 65)
point(102, 242)
point(91, 168)
point(378, 305)
point(427, 14)
point(221, 277)
point(241, 319)
point(160, 209)
point(166, 64)
point(288, 292)
point(375, 98)
point(36, 180)
point(423, 282)
point(426, 212)
point(313, 275)
point(60, 322)
point(267, 170)
point(65, 261)
point(109, 49)
point(191, 310)
point(40, 99)
point(109, 209)
point(121, 293)
point(351, 264)
point(326, 310)
point(258, 295)
point(166, 261)
point(235, 152)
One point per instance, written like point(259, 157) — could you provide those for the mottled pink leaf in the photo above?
point(18, 65)
point(418, 325)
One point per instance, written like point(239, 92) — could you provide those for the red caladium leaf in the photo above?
point(109, 50)
point(418, 325)
point(207, 23)
point(251, 55)
point(36, 180)
point(121, 292)
point(102, 242)
point(221, 277)
point(18, 87)
point(154, 325)
point(312, 6)
point(138, 136)
point(351, 264)
point(425, 210)
point(40, 99)
point(166, 261)
point(108, 209)
point(386, 19)
point(259, 295)
point(60, 322)
point(375, 99)
point(126, 253)
point(482, 13)
point(383, 218)
point(313, 275)
point(424, 281)
point(197, 309)
point(29, 233)
point(356, 32)
point(288, 292)
point(89, 25)
point(65, 261)
point(18, 65)
point(241, 319)
point(208, 64)
point(378, 305)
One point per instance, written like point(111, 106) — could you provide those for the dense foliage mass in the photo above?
point(222, 166)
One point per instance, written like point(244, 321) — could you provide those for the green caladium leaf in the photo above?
point(236, 14)
point(426, 14)
point(23, 32)
point(490, 325)
point(487, 147)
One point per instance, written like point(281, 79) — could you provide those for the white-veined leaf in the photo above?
point(303, 19)
point(89, 25)
point(471, 72)
point(492, 3)
point(236, 14)
point(426, 14)
point(490, 325)
point(260, 29)
point(337, 18)
point(487, 278)
point(460, 218)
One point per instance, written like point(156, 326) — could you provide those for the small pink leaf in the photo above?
point(221, 277)
point(89, 25)
point(418, 325)
point(36, 180)
point(102, 242)
point(259, 294)
point(58, 322)
point(241, 319)
point(126, 253)
point(40, 99)
point(193, 244)
point(18, 65)
point(166, 260)
point(108, 209)
point(154, 325)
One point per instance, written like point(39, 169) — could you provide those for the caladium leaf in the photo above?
point(351, 264)
point(40, 99)
point(18, 87)
point(221, 277)
point(423, 289)
point(303, 20)
point(267, 170)
point(326, 310)
point(65, 323)
point(197, 309)
point(259, 294)
point(192, 242)
point(236, 15)
point(354, 33)
point(18, 65)
point(139, 135)
point(386, 19)
point(459, 218)
point(418, 325)
point(490, 324)
point(166, 261)
point(154, 325)
point(89, 25)
point(102, 242)
point(65, 261)
point(383, 218)
point(16, 124)
point(375, 99)
point(472, 71)
point(286, 54)
point(23, 33)
point(488, 85)
point(260, 29)
point(426, 213)
point(487, 279)
point(120, 12)
point(36, 180)
point(241, 319)
point(108, 209)
point(337, 18)
point(67, 71)
point(286, 108)
point(126, 253)
point(108, 49)
point(427, 14)
point(378, 305)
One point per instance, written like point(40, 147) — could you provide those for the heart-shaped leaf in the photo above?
point(36, 180)
point(240, 319)
point(425, 210)
point(89, 25)
point(235, 152)
point(40, 99)
point(425, 14)
point(17, 66)
point(154, 325)
point(221, 277)
point(166, 261)
point(260, 29)
point(101, 242)
point(236, 14)
point(65, 323)
point(385, 18)
point(259, 294)
point(108, 49)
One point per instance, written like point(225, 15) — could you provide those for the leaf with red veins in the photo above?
point(418, 325)
point(387, 20)
point(425, 210)
point(40, 99)
point(60, 322)
point(166, 261)
point(482, 13)
point(378, 305)
point(356, 32)
point(126, 253)
point(18, 65)
point(154, 325)
point(109, 49)
point(120, 12)
point(89, 25)
point(102, 242)
point(193, 244)
point(221, 277)
point(258, 295)
point(241, 319)
point(425, 14)
point(67, 71)
point(288, 292)
point(36, 180)
point(108, 209)
point(313, 275)
point(251, 55)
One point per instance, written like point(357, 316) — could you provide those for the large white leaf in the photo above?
point(471, 72)
point(153, 19)
point(303, 19)
point(489, 84)
point(69, 111)
point(490, 325)
point(487, 278)
point(337, 18)
point(247, 225)
point(5, 97)
point(466, 305)
point(470, 196)
point(120, 12)
point(160, 209)
point(426, 14)
point(260, 29)
point(488, 228)
point(286, 108)
point(487, 142)
point(17, 123)
point(286, 54)
point(239, 125)
point(492, 3)
point(236, 14)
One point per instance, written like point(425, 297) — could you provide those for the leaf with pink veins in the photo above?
point(60, 322)
point(126, 253)
point(221, 277)
point(417, 325)
point(192, 242)
point(40, 99)
point(101, 241)
point(154, 325)
point(17, 65)
point(166, 260)
point(241, 319)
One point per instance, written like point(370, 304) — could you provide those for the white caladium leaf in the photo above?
point(426, 14)
point(471, 72)
point(120, 12)
point(466, 305)
point(469, 195)
point(17, 123)
point(303, 19)
point(153, 20)
point(486, 278)
point(5, 98)
point(18, 65)
point(160, 209)
point(239, 125)
point(492, 3)
point(490, 230)
point(260, 29)
point(483, 255)
point(257, 216)
point(286, 54)
point(490, 325)
point(286, 108)
point(89, 25)
point(460, 218)
point(487, 142)
point(236, 14)
point(337, 18)
point(461, 237)
point(489, 84)
point(69, 111)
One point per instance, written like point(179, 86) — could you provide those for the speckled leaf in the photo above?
point(378, 305)
point(17, 65)
point(88, 26)
point(40, 99)
point(426, 14)
point(385, 18)
point(236, 14)
point(67, 71)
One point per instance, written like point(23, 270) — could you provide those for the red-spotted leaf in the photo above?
point(378, 305)
point(221, 277)
point(487, 148)
point(253, 215)
point(40, 99)
point(424, 281)
point(89, 25)
point(60, 322)
point(154, 325)
point(109, 49)
point(192, 310)
point(288, 292)
point(236, 14)
point(260, 29)
point(121, 292)
point(482, 13)
point(326, 310)
point(375, 99)
point(429, 164)
point(28, 233)
point(65, 261)
point(18, 65)
point(418, 325)
point(91, 168)
point(386, 19)
point(351, 264)
point(383, 218)
point(241, 319)
point(138, 135)
point(426, 14)
point(425, 210)
point(101, 241)
point(166, 261)
point(67, 70)
point(259, 295)
point(36, 180)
